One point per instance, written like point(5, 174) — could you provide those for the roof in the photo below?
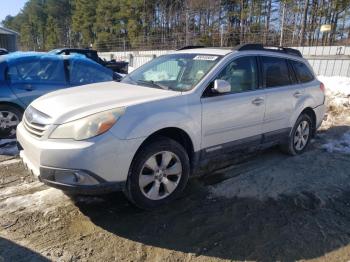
point(72, 50)
point(18, 55)
point(6, 31)
point(206, 51)
point(257, 49)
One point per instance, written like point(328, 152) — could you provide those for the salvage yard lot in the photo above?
point(269, 207)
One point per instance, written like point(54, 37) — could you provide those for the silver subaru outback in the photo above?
point(147, 134)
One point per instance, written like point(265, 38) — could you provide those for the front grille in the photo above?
point(34, 127)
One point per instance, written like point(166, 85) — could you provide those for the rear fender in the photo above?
point(305, 102)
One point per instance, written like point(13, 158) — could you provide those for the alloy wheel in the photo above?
point(160, 175)
point(8, 122)
point(301, 135)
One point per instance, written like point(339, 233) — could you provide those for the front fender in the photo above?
point(7, 96)
point(145, 119)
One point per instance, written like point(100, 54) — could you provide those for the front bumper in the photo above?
point(68, 180)
point(71, 180)
point(95, 166)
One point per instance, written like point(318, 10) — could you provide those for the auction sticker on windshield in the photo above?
point(205, 57)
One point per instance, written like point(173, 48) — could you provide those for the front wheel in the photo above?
point(9, 119)
point(300, 136)
point(158, 175)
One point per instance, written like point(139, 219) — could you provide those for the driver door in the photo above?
point(30, 78)
point(234, 119)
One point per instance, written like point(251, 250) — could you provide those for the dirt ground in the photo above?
point(270, 207)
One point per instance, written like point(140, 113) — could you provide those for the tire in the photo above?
point(297, 141)
point(158, 174)
point(10, 117)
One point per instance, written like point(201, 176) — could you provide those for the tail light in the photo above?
point(322, 87)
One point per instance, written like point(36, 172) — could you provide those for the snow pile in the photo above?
point(337, 92)
point(8, 147)
point(340, 146)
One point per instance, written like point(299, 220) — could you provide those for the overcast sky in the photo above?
point(10, 7)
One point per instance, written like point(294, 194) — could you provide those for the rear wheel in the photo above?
point(158, 175)
point(10, 117)
point(300, 136)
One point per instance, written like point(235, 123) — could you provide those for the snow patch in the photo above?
point(10, 162)
point(339, 146)
point(18, 189)
point(130, 69)
point(45, 200)
point(289, 177)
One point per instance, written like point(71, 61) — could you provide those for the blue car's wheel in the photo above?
point(10, 117)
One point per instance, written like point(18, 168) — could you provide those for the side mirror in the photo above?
point(222, 86)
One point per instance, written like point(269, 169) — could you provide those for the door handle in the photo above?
point(258, 101)
point(297, 94)
point(28, 87)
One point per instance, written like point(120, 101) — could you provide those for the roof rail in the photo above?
point(278, 49)
point(190, 47)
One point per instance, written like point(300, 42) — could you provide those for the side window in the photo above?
point(303, 73)
point(81, 73)
point(241, 74)
point(37, 70)
point(275, 72)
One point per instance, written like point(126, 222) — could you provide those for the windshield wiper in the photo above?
point(153, 84)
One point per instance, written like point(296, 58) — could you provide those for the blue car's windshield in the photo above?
point(178, 72)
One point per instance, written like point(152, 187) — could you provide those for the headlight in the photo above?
point(89, 126)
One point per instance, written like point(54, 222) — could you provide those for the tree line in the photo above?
point(111, 25)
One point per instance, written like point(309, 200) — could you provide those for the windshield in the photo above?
point(178, 72)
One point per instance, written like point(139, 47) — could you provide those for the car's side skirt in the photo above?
point(219, 156)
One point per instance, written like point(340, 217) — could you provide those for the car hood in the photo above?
point(73, 103)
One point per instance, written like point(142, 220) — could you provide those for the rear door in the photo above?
point(306, 78)
point(30, 78)
point(282, 94)
point(232, 119)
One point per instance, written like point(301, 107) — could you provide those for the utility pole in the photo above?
point(222, 36)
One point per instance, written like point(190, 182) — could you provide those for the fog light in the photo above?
point(84, 179)
point(68, 177)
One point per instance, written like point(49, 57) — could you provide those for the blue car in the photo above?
point(26, 76)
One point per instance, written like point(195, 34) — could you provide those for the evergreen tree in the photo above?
point(139, 24)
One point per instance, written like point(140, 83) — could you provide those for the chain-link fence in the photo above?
point(325, 60)
point(169, 41)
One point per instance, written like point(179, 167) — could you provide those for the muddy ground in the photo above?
point(270, 207)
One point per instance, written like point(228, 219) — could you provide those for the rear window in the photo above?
point(275, 72)
point(303, 73)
